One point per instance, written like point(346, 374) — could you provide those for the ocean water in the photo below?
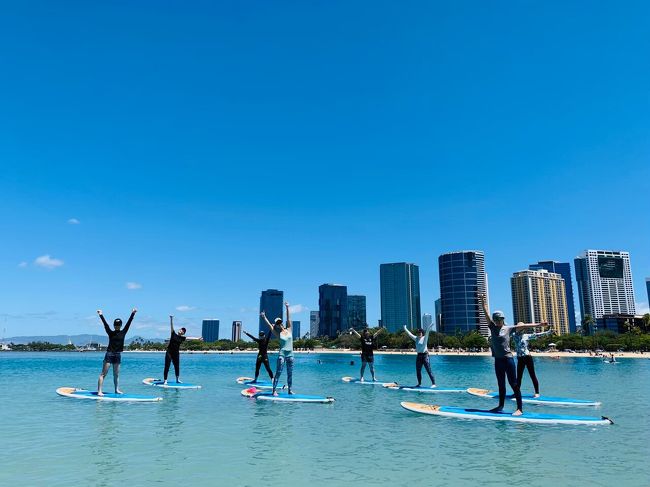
point(215, 437)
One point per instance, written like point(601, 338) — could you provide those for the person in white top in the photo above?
point(421, 347)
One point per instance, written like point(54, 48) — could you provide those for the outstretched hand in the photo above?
point(286, 304)
point(263, 313)
point(99, 312)
point(134, 310)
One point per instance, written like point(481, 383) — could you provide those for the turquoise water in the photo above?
point(214, 436)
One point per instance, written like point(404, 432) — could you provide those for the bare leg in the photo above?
point(100, 382)
point(363, 368)
point(116, 378)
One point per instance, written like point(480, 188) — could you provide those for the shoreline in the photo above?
point(553, 355)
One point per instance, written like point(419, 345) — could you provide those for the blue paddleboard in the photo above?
point(538, 418)
point(260, 384)
point(283, 396)
point(170, 384)
point(108, 396)
point(529, 398)
point(352, 380)
point(423, 389)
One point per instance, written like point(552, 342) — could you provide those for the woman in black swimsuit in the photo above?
point(114, 350)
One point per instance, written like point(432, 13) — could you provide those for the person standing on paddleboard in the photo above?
point(173, 354)
point(285, 333)
point(422, 348)
point(525, 359)
point(367, 347)
point(262, 353)
point(114, 350)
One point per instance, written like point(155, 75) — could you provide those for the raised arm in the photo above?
point(413, 337)
point(255, 339)
point(484, 307)
point(355, 332)
point(101, 316)
point(263, 315)
point(381, 328)
point(128, 323)
point(426, 333)
point(522, 326)
point(286, 305)
point(542, 333)
point(171, 322)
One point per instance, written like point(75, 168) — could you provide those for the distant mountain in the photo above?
point(78, 340)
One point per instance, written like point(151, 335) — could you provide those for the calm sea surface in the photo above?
point(215, 437)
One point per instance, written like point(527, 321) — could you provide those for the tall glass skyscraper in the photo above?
point(563, 269)
point(272, 303)
point(236, 331)
point(295, 329)
point(357, 311)
point(400, 296)
point(647, 287)
point(332, 309)
point(462, 278)
point(605, 284)
point(210, 330)
point(313, 324)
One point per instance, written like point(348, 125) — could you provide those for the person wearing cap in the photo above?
point(504, 362)
point(422, 349)
point(262, 353)
point(368, 343)
point(114, 350)
point(285, 334)
point(173, 353)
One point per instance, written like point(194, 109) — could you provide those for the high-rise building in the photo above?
point(540, 296)
point(236, 331)
point(210, 330)
point(272, 303)
point(332, 309)
point(462, 279)
point(313, 324)
point(295, 329)
point(647, 287)
point(357, 311)
point(427, 320)
point(564, 269)
point(604, 283)
point(438, 308)
point(400, 296)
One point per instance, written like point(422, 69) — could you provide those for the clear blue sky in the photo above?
point(210, 150)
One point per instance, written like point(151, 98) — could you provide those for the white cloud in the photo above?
point(642, 308)
point(22, 264)
point(48, 262)
point(298, 308)
point(133, 285)
point(184, 307)
point(73, 221)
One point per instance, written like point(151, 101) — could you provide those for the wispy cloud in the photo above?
point(185, 307)
point(47, 262)
point(22, 264)
point(73, 221)
point(298, 308)
point(133, 285)
point(642, 308)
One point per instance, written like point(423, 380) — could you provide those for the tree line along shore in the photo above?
point(633, 341)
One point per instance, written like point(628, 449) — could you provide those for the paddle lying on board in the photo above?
point(530, 398)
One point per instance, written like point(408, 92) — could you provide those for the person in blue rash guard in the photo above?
point(525, 359)
point(422, 348)
point(285, 334)
point(114, 350)
point(504, 363)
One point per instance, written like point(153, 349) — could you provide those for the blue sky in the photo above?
point(214, 149)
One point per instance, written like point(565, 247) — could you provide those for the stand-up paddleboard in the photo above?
point(108, 396)
point(454, 412)
point(283, 396)
point(394, 386)
point(610, 361)
point(353, 380)
point(260, 384)
point(170, 384)
point(529, 398)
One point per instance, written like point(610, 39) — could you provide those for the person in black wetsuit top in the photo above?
point(262, 353)
point(367, 348)
point(173, 354)
point(114, 350)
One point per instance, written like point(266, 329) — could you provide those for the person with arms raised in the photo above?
point(173, 353)
point(114, 350)
point(284, 333)
point(368, 343)
point(262, 353)
point(422, 349)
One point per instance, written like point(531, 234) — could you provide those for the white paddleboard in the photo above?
point(531, 399)
point(538, 418)
point(108, 396)
point(266, 395)
point(394, 386)
point(170, 384)
point(353, 380)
